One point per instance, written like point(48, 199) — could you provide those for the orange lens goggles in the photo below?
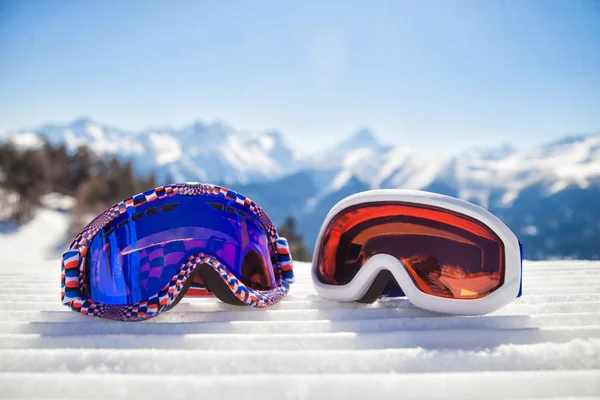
point(446, 254)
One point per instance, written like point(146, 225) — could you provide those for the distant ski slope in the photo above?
point(545, 345)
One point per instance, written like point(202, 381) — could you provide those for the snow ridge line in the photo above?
point(83, 327)
point(563, 356)
point(431, 339)
point(491, 385)
point(546, 344)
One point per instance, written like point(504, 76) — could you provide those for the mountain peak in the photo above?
point(273, 143)
point(82, 121)
point(271, 139)
point(492, 152)
point(572, 138)
point(363, 137)
point(274, 134)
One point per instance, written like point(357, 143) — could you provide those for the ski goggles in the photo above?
point(444, 254)
point(141, 256)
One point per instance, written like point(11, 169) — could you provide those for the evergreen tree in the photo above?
point(297, 246)
point(96, 183)
point(80, 165)
point(55, 161)
point(23, 175)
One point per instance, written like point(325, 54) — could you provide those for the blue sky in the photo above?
point(431, 74)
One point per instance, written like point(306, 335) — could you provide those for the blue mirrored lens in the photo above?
point(137, 255)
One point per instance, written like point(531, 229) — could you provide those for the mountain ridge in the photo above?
point(512, 183)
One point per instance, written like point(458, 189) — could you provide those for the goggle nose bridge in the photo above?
point(384, 283)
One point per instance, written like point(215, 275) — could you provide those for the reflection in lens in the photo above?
point(445, 254)
point(140, 252)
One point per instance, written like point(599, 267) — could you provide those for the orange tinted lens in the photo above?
point(445, 254)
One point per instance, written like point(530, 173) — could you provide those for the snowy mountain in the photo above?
point(548, 194)
point(476, 175)
point(205, 152)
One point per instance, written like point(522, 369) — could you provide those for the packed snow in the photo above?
point(544, 345)
point(166, 147)
point(27, 140)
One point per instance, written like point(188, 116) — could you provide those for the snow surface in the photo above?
point(544, 345)
point(166, 147)
point(102, 140)
point(27, 140)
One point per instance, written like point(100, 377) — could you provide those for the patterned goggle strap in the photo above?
point(284, 257)
point(71, 281)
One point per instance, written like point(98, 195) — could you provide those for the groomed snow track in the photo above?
point(545, 345)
